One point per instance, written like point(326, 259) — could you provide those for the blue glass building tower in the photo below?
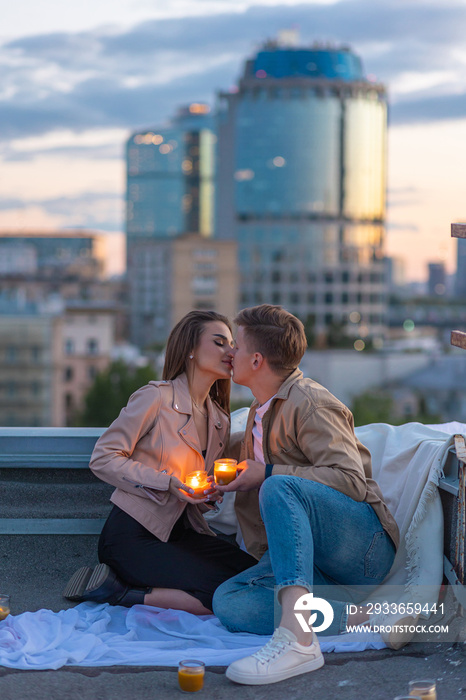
point(170, 193)
point(301, 185)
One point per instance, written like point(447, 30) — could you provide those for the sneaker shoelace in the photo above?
point(277, 646)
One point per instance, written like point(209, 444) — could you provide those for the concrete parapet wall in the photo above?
point(46, 486)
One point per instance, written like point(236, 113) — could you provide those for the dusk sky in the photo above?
point(77, 78)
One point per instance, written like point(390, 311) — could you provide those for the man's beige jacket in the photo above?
point(308, 432)
point(153, 438)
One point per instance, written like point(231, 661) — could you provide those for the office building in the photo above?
point(460, 278)
point(174, 276)
point(173, 264)
point(84, 342)
point(437, 281)
point(27, 365)
point(50, 356)
point(301, 185)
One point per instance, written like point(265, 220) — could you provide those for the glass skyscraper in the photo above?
point(170, 193)
point(170, 171)
point(301, 185)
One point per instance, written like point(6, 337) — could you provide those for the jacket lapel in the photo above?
point(217, 422)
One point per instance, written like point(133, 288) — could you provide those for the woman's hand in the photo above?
point(213, 494)
point(183, 492)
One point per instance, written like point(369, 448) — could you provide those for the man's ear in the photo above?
point(258, 361)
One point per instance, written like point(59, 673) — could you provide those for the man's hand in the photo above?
point(251, 476)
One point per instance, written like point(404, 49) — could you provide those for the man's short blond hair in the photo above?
point(276, 334)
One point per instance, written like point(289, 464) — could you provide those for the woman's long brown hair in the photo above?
point(183, 340)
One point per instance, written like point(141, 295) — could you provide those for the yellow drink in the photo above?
point(4, 612)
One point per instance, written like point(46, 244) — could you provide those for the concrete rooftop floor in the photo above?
point(34, 569)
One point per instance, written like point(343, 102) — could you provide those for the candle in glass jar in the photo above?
point(191, 675)
point(424, 689)
point(4, 606)
point(197, 481)
point(224, 471)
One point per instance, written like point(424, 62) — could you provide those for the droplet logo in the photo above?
point(308, 603)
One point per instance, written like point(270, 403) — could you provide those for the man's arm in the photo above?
point(326, 437)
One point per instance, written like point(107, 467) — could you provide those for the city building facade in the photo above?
point(28, 366)
point(460, 277)
point(173, 263)
point(437, 280)
point(38, 268)
point(176, 275)
point(301, 185)
point(84, 342)
point(50, 355)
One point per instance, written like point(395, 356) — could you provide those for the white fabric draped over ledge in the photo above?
point(408, 462)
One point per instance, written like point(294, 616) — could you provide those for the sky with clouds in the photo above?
point(76, 80)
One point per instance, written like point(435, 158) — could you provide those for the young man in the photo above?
point(307, 506)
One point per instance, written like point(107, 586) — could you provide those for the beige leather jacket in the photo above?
point(308, 432)
point(153, 438)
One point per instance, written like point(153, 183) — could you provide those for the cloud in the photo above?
point(94, 210)
point(136, 77)
point(428, 109)
point(104, 152)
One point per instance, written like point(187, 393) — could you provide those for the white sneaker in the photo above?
point(282, 657)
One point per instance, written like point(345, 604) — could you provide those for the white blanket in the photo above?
point(105, 635)
point(407, 464)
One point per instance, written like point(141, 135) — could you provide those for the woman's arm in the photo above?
point(112, 459)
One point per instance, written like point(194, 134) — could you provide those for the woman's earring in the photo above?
point(191, 357)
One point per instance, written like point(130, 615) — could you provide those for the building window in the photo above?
point(68, 374)
point(345, 298)
point(35, 388)
point(276, 276)
point(69, 400)
point(328, 277)
point(12, 354)
point(69, 346)
point(294, 298)
point(345, 276)
point(203, 284)
point(328, 319)
point(329, 298)
point(35, 353)
point(92, 373)
point(276, 298)
point(12, 388)
point(92, 346)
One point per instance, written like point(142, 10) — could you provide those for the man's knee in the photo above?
point(275, 488)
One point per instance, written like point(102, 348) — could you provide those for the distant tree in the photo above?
point(373, 407)
point(378, 407)
point(110, 393)
point(337, 336)
point(309, 329)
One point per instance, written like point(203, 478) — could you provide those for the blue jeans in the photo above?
point(317, 536)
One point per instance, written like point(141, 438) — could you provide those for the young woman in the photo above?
point(156, 548)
